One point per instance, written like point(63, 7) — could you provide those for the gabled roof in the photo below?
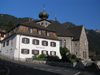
point(76, 31)
point(60, 29)
point(23, 29)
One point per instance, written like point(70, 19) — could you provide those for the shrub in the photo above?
point(38, 59)
point(52, 58)
point(73, 60)
point(74, 56)
point(42, 56)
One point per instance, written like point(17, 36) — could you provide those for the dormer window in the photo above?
point(48, 33)
point(42, 23)
point(30, 30)
point(39, 32)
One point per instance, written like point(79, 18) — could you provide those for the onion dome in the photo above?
point(43, 15)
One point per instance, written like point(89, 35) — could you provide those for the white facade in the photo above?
point(13, 50)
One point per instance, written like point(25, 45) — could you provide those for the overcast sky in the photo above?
point(79, 12)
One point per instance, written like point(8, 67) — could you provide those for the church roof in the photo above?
point(76, 31)
point(60, 29)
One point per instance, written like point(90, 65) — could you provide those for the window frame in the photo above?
point(39, 32)
point(35, 43)
point(52, 54)
point(53, 44)
point(3, 44)
point(31, 30)
point(34, 52)
point(7, 43)
point(47, 33)
point(45, 43)
point(22, 51)
point(27, 40)
point(44, 53)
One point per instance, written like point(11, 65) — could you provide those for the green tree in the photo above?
point(9, 26)
point(63, 51)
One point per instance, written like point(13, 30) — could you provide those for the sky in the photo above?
point(78, 12)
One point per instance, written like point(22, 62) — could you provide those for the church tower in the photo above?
point(43, 15)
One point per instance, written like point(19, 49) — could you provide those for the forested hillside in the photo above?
point(7, 22)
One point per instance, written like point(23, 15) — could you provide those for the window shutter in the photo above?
point(47, 52)
point(33, 41)
point(50, 52)
point(28, 51)
point(22, 40)
point(55, 53)
point(46, 43)
point(38, 42)
point(42, 52)
point(50, 43)
point(27, 40)
point(38, 51)
point(32, 51)
point(42, 42)
point(54, 44)
point(22, 50)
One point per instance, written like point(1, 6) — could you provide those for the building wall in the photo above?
point(84, 44)
point(68, 42)
point(80, 48)
point(44, 23)
point(9, 50)
point(18, 45)
point(76, 48)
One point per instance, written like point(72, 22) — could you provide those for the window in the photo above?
point(12, 42)
point(2, 35)
point(4, 44)
point(48, 33)
point(36, 42)
point(30, 30)
point(45, 52)
point(25, 40)
point(53, 44)
point(44, 43)
point(84, 54)
point(35, 51)
point(42, 23)
point(53, 53)
point(7, 43)
point(25, 51)
point(64, 43)
point(39, 32)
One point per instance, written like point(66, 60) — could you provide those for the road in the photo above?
point(22, 68)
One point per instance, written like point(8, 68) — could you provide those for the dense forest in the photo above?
point(7, 22)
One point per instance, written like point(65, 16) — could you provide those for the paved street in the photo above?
point(22, 68)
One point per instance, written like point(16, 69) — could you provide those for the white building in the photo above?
point(28, 39)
